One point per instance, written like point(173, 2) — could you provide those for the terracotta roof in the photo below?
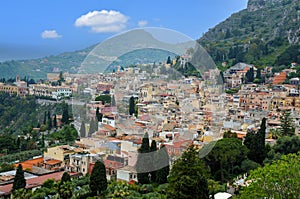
point(29, 163)
point(34, 182)
point(108, 127)
point(53, 162)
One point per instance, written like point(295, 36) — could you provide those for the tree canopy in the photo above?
point(277, 180)
point(188, 177)
point(98, 181)
point(19, 180)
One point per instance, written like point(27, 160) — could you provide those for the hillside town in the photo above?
point(175, 113)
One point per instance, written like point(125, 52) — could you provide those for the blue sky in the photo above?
point(35, 28)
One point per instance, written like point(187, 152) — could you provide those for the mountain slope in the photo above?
point(38, 68)
point(259, 34)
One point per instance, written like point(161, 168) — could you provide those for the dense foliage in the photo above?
point(188, 177)
point(277, 180)
point(263, 36)
point(19, 180)
point(98, 181)
point(17, 113)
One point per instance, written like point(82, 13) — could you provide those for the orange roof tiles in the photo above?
point(279, 78)
point(27, 165)
point(53, 162)
point(34, 182)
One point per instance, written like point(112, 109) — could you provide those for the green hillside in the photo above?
point(266, 33)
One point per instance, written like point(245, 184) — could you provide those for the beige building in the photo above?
point(58, 153)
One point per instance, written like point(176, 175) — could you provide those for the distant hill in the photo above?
point(266, 33)
point(133, 47)
point(38, 68)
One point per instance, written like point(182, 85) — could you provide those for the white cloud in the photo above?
point(103, 21)
point(50, 34)
point(142, 23)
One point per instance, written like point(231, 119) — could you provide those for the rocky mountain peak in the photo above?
point(254, 5)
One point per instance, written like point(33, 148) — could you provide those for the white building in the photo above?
point(127, 173)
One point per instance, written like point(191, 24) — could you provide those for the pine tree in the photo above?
point(188, 177)
point(98, 181)
point(82, 130)
point(286, 124)
point(19, 180)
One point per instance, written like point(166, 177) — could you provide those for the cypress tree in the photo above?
point(65, 113)
point(54, 121)
point(92, 127)
point(82, 130)
point(98, 115)
point(113, 101)
point(144, 162)
point(153, 150)
point(98, 181)
point(19, 180)
point(255, 142)
point(49, 121)
point(65, 178)
point(163, 161)
point(131, 106)
point(45, 118)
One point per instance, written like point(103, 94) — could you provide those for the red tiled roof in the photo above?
point(34, 182)
point(29, 163)
point(110, 128)
point(53, 162)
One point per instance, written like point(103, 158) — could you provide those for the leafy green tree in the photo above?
point(105, 99)
point(65, 178)
point(144, 161)
point(255, 142)
point(229, 134)
point(224, 160)
point(286, 124)
point(98, 181)
point(82, 129)
point(250, 75)
point(19, 180)
point(283, 146)
point(277, 180)
point(22, 193)
point(188, 177)
point(6, 167)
